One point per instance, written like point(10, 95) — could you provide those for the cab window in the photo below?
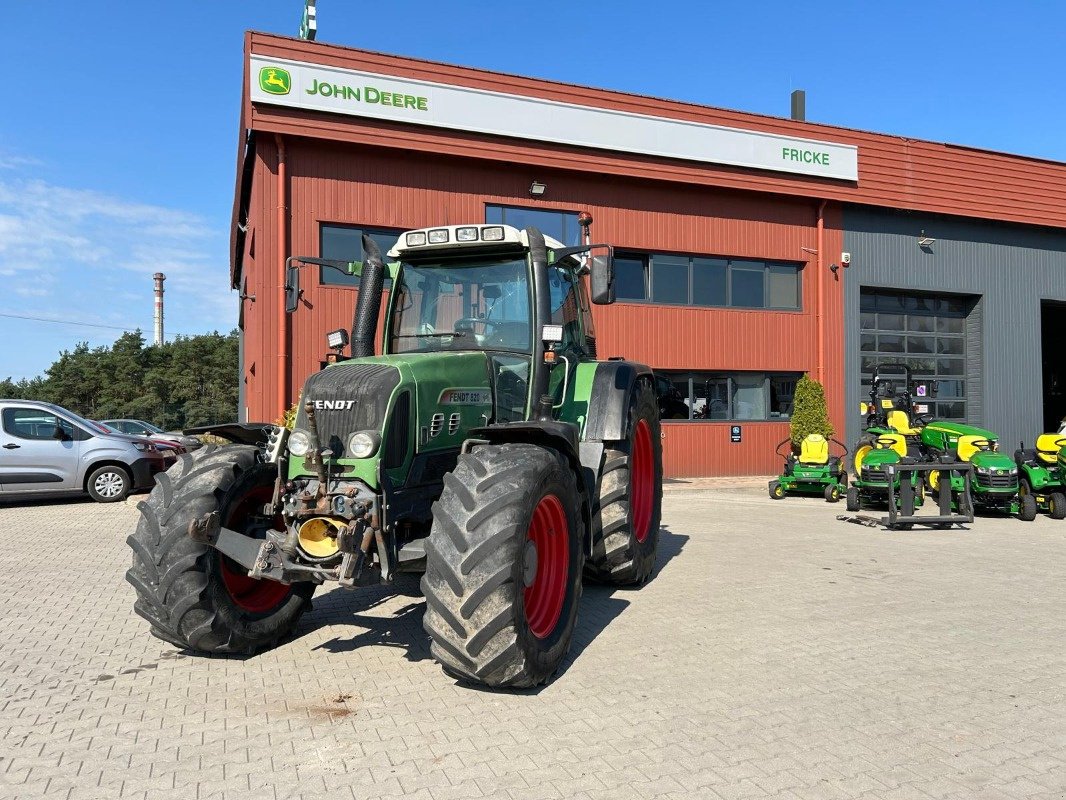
point(36, 424)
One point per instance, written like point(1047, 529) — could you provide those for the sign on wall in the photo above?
point(366, 94)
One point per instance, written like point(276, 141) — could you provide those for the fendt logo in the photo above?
point(275, 80)
point(334, 405)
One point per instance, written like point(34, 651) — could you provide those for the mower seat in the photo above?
point(901, 423)
point(814, 449)
point(899, 443)
point(1046, 448)
point(966, 447)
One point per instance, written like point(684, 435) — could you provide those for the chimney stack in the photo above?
point(799, 105)
point(159, 278)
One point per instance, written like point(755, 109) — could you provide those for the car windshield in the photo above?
point(481, 305)
point(149, 426)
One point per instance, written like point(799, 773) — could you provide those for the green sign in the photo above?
point(275, 80)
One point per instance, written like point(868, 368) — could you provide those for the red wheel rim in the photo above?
point(548, 538)
point(254, 595)
point(641, 481)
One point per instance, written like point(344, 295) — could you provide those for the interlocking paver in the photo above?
point(776, 653)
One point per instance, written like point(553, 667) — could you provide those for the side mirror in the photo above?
point(602, 279)
point(59, 434)
point(292, 289)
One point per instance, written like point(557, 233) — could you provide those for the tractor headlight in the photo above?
point(363, 444)
point(983, 470)
point(1013, 470)
point(299, 443)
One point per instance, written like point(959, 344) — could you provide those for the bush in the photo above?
point(810, 414)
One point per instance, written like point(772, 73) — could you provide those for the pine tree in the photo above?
point(810, 414)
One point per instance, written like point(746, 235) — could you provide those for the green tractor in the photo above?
point(1042, 473)
point(486, 448)
point(994, 487)
point(813, 471)
point(890, 437)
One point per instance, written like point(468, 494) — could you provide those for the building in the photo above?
point(731, 230)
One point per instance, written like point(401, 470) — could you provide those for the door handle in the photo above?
point(12, 446)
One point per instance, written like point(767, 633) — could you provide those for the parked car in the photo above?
point(46, 449)
point(138, 427)
point(168, 447)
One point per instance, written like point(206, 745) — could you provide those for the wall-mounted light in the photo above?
point(537, 189)
point(925, 241)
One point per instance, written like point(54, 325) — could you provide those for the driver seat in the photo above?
point(901, 423)
point(1047, 449)
point(814, 449)
point(967, 447)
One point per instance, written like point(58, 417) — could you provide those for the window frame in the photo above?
point(324, 270)
point(539, 209)
point(691, 376)
point(647, 260)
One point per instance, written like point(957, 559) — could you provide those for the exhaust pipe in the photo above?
point(367, 307)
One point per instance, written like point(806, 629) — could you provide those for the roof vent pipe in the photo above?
point(799, 105)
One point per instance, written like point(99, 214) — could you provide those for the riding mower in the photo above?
point(1042, 473)
point(877, 473)
point(995, 485)
point(813, 471)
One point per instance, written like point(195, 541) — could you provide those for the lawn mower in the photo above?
point(890, 412)
point(995, 475)
point(878, 471)
point(1042, 473)
point(813, 471)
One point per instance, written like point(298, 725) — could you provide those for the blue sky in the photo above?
point(118, 127)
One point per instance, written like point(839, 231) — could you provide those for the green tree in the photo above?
point(810, 414)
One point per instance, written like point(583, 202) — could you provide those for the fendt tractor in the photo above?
point(486, 448)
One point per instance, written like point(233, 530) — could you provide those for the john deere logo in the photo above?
point(275, 80)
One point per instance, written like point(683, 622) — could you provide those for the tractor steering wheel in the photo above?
point(1060, 443)
point(983, 444)
point(884, 443)
point(923, 419)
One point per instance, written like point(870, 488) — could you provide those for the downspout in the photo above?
point(820, 267)
point(283, 317)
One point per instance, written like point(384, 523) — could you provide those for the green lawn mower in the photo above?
point(813, 471)
point(876, 472)
point(1042, 473)
point(995, 486)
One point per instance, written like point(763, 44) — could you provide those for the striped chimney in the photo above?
point(159, 278)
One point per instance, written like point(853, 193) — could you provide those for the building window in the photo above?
point(707, 282)
point(924, 332)
point(559, 225)
point(345, 243)
point(726, 396)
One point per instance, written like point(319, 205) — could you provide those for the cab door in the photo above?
point(31, 457)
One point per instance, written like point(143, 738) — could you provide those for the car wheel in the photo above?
point(108, 484)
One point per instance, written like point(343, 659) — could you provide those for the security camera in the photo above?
point(845, 258)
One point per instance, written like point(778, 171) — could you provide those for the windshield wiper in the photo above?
point(456, 334)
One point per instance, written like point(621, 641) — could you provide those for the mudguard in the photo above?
point(608, 415)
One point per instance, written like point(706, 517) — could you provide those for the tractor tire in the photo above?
point(1056, 505)
point(192, 595)
point(831, 493)
point(503, 566)
point(1027, 508)
point(1024, 487)
point(776, 492)
point(108, 484)
point(627, 512)
point(851, 499)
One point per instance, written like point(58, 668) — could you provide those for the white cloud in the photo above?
point(99, 253)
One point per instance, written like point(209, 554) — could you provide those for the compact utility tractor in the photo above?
point(485, 447)
point(813, 471)
point(995, 486)
point(1042, 473)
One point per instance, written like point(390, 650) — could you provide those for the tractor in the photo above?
point(485, 447)
point(1042, 473)
point(995, 486)
point(891, 436)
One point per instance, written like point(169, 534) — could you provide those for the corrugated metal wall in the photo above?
point(1011, 267)
point(337, 183)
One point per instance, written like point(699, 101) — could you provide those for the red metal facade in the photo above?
point(356, 171)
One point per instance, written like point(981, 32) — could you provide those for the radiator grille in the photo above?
point(359, 395)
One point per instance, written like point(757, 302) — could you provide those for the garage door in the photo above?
point(924, 331)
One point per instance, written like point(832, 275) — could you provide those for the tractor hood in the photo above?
point(989, 460)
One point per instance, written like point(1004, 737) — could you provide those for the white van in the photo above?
point(46, 449)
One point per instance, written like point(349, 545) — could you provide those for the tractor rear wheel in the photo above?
point(503, 566)
point(626, 516)
point(1056, 505)
point(192, 595)
point(831, 493)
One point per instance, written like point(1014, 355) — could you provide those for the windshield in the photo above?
point(481, 305)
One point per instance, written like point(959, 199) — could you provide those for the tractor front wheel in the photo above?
point(776, 490)
point(831, 493)
point(192, 595)
point(503, 566)
point(1027, 508)
point(1056, 505)
point(625, 521)
point(851, 499)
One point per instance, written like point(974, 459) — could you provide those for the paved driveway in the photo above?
point(776, 653)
